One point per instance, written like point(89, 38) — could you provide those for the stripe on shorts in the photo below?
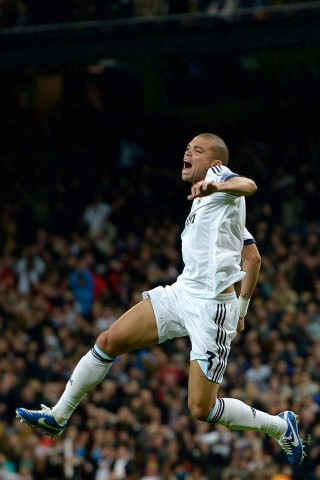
point(221, 342)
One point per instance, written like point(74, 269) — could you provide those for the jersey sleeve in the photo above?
point(248, 239)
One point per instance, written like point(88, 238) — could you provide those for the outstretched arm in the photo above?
point(240, 186)
point(251, 262)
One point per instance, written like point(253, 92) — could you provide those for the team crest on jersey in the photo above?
point(190, 219)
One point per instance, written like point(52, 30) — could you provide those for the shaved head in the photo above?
point(220, 149)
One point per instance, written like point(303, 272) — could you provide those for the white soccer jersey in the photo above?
point(212, 240)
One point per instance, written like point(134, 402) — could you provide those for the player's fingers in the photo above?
point(192, 195)
point(201, 187)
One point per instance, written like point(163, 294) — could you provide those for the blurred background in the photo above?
point(98, 100)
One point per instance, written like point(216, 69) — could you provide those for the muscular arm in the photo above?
point(240, 186)
point(251, 262)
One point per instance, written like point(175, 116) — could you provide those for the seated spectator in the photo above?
point(81, 282)
point(29, 269)
point(95, 214)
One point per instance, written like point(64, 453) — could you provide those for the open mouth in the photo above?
point(186, 165)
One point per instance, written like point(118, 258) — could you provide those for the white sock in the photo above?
point(90, 370)
point(236, 415)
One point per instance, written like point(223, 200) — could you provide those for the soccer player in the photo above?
point(202, 304)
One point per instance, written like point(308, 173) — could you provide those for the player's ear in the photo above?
point(216, 162)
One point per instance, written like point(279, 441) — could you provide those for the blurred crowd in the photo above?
point(34, 12)
point(90, 217)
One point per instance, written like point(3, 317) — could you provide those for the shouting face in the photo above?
point(198, 158)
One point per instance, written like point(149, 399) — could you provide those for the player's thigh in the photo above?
point(202, 392)
point(135, 329)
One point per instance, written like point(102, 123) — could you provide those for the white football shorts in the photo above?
point(210, 324)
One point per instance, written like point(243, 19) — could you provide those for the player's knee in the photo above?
point(199, 410)
point(110, 343)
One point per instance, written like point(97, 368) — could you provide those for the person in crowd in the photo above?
point(95, 215)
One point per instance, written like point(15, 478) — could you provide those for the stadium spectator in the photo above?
point(29, 269)
point(95, 214)
point(81, 281)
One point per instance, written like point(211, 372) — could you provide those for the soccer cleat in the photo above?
point(291, 442)
point(41, 419)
